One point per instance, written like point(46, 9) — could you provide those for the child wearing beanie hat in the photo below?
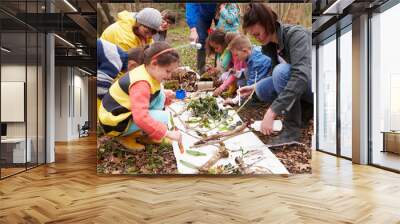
point(149, 17)
point(133, 30)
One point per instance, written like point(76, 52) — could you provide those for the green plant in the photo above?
point(207, 109)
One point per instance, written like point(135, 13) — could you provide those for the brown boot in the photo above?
point(129, 142)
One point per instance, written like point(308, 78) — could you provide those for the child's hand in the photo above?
point(174, 135)
point(169, 93)
point(218, 91)
point(228, 101)
point(213, 70)
point(194, 36)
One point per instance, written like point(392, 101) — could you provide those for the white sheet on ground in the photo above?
point(256, 155)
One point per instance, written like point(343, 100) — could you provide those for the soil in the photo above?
point(296, 159)
point(154, 159)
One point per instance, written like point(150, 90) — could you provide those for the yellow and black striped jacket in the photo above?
point(115, 109)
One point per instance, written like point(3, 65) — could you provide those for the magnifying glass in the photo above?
point(195, 45)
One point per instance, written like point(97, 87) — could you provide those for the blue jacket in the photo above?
point(199, 11)
point(258, 64)
point(111, 60)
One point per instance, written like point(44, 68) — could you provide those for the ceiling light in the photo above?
point(65, 41)
point(338, 6)
point(70, 5)
point(5, 50)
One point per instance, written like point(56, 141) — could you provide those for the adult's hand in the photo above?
point(268, 122)
point(245, 91)
point(193, 37)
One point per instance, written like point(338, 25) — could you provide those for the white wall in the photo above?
point(71, 94)
point(16, 73)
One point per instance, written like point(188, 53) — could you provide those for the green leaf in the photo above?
point(195, 153)
point(189, 165)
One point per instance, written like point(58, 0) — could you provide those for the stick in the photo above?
point(207, 89)
point(179, 118)
point(239, 98)
point(222, 134)
point(221, 153)
point(218, 141)
point(181, 148)
point(251, 95)
point(246, 168)
point(196, 137)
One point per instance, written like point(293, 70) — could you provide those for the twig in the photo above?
point(181, 148)
point(218, 141)
point(222, 134)
point(196, 137)
point(177, 116)
point(251, 95)
point(245, 168)
point(221, 153)
point(207, 90)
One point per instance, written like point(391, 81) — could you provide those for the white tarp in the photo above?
point(248, 145)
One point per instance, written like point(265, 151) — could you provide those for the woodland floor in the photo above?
point(160, 159)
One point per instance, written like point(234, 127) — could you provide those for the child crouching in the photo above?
point(136, 101)
point(258, 64)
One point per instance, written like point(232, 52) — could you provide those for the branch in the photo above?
point(221, 153)
point(223, 134)
point(218, 141)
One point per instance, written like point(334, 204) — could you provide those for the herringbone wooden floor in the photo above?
point(69, 191)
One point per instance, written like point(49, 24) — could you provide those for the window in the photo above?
point(346, 74)
point(22, 76)
point(385, 88)
point(327, 96)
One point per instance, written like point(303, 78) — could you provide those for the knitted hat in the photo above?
point(149, 17)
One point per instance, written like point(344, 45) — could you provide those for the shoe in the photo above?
point(291, 126)
point(145, 139)
point(289, 134)
point(129, 142)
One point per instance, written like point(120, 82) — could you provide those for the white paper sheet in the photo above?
point(256, 154)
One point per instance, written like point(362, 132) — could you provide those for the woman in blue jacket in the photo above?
point(199, 17)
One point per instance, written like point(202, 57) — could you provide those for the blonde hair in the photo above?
point(240, 42)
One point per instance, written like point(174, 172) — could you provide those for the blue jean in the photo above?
point(156, 111)
point(269, 88)
point(202, 27)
